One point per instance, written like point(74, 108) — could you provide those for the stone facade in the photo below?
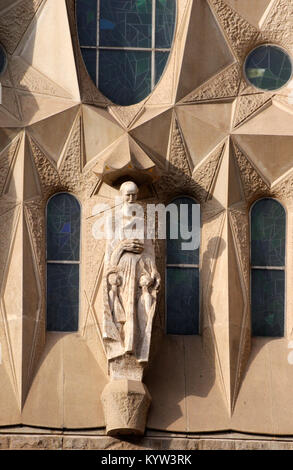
point(206, 133)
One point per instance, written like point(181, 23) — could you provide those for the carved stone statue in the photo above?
point(130, 286)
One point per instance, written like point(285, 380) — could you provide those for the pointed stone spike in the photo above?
point(237, 312)
point(273, 120)
point(204, 127)
point(139, 158)
point(235, 192)
point(58, 125)
point(221, 187)
point(30, 310)
point(239, 31)
point(153, 136)
point(15, 180)
point(6, 137)
point(31, 184)
point(100, 131)
point(15, 20)
point(12, 304)
point(57, 64)
point(6, 158)
point(271, 155)
point(204, 32)
point(256, 15)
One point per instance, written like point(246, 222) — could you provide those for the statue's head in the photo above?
point(129, 192)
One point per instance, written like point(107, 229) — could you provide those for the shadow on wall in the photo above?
point(17, 35)
point(19, 106)
point(183, 367)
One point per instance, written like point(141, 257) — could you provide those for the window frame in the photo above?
point(182, 266)
point(269, 268)
point(66, 262)
point(153, 49)
point(248, 82)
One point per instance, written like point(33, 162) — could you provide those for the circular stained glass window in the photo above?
point(268, 67)
point(2, 59)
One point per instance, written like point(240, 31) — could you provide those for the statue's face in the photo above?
point(129, 192)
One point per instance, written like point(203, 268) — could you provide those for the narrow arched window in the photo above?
point(268, 238)
point(182, 267)
point(63, 255)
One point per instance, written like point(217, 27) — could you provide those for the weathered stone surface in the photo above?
point(125, 403)
point(35, 442)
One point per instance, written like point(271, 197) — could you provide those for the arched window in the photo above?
point(268, 237)
point(63, 255)
point(182, 268)
point(125, 44)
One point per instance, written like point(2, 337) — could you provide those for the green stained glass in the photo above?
point(267, 299)
point(268, 67)
point(182, 301)
point(126, 23)
point(62, 297)
point(165, 22)
point(2, 59)
point(63, 228)
point(132, 72)
point(86, 13)
point(268, 231)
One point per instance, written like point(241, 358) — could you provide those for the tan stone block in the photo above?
point(216, 444)
point(262, 445)
point(4, 442)
point(35, 442)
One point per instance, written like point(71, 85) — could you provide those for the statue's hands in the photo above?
point(134, 245)
point(157, 280)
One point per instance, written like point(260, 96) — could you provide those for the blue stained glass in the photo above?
point(63, 228)
point(126, 23)
point(267, 300)
point(175, 253)
point(90, 59)
point(182, 301)
point(165, 22)
point(268, 67)
point(2, 59)
point(62, 297)
point(268, 232)
point(126, 74)
point(161, 61)
point(86, 13)
point(132, 72)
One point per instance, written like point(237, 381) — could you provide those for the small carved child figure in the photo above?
point(145, 302)
point(146, 299)
point(115, 304)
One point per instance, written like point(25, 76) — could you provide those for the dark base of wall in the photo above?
point(43, 439)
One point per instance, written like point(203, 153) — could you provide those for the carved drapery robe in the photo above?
point(129, 295)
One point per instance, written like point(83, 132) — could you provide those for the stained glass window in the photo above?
point(63, 247)
point(125, 44)
point(268, 67)
point(268, 237)
point(182, 269)
point(2, 59)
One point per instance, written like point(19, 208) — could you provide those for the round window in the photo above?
point(2, 59)
point(268, 67)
